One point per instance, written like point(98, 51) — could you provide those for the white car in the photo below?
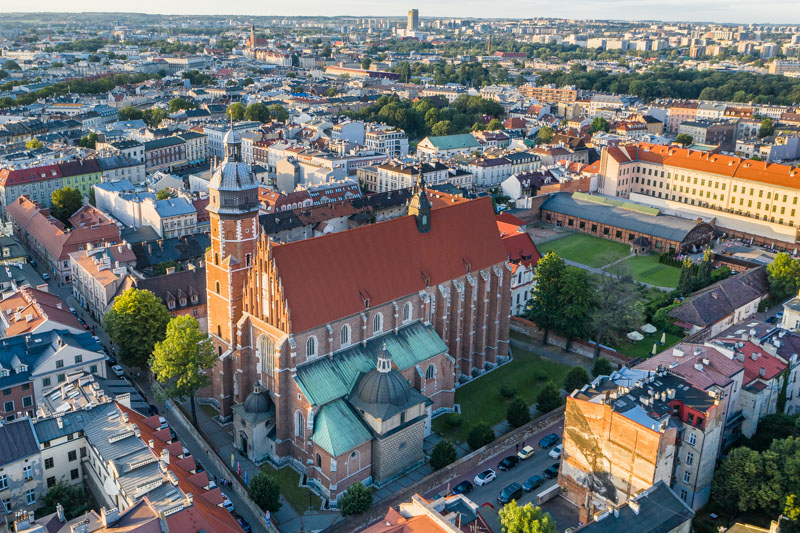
point(226, 503)
point(485, 477)
point(555, 453)
point(118, 371)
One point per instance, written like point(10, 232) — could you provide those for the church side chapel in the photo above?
point(335, 352)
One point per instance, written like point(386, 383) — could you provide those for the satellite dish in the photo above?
point(110, 487)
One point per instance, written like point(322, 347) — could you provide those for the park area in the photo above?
point(644, 347)
point(585, 249)
point(647, 269)
point(481, 400)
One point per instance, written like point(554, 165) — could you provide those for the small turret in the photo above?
point(420, 206)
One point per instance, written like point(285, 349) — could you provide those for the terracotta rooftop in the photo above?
point(40, 306)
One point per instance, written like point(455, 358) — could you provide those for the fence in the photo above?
point(448, 473)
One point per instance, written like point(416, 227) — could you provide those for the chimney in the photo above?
point(165, 455)
point(634, 506)
point(80, 527)
point(762, 372)
point(109, 516)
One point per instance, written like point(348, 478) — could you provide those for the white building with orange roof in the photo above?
point(32, 310)
point(97, 274)
point(522, 257)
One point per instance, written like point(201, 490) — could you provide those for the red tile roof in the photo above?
point(28, 175)
point(752, 367)
point(42, 306)
point(327, 278)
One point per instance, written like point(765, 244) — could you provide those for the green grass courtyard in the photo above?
point(585, 249)
point(644, 348)
point(481, 400)
point(647, 269)
point(289, 482)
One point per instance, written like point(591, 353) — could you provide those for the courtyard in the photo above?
point(647, 269)
point(585, 249)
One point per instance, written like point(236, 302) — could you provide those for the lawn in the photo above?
point(644, 348)
point(209, 410)
point(481, 400)
point(647, 269)
point(585, 249)
point(289, 481)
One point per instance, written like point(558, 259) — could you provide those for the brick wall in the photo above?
point(398, 451)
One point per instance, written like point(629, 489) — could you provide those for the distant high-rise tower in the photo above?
point(252, 36)
point(413, 20)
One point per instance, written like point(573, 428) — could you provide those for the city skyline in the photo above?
point(716, 11)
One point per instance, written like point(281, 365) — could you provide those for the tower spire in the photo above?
point(420, 206)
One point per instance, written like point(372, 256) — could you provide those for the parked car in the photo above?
point(779, 316)
point(34, 264)
point(198, 467)
point(152, 409)
point(509, 462)
point(511, 492)
point(551, 472)
point(73, 311)
point(244, 524)
point(526, 453)
point(226, 503)
point(485, 477)
point(549, 440)
point(555, 453)
point(771, 320)
point(46, 276)
point(533, 482)
point(465, 487)
point(118, 371)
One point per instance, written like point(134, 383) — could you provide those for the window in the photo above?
point(299, 425)
point(8, 407)
point(73, 473)
point(72, 455)
point(79, 359)
point(93, 369)
point(27, 401)
point(377, 323)
point(407, 312)
point(319, 461)
point(83, 451)
point(687, 476)
point(51, 481)
point(60, 363)
point(27, 472)
point(3, 482)
point(431, 372)
point(6, 392)
point(61, 378)
point(216, 286)
point(689, 458)
point(48, 463)
point(247, 260)
point(311, 346)
point(684, 494)
point(344, 335)
point(692, 439)
point(30, 496)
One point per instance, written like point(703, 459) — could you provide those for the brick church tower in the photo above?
point(233, 209)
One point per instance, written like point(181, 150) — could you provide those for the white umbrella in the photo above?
point(663, 337)
point(655, 349)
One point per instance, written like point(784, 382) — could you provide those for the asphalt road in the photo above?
point(525, 469)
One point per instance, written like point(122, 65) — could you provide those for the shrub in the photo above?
point(518, 413)
point(355, 500)
point(507, 391)
point(442, 454)
point(601, 367)
point(540, 375)
point(548, 398)
point(453, 419)
point(576, 378)
point(480, 436)
point(265, 492)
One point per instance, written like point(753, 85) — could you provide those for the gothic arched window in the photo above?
point(344, 335)
point(377, 323)
point(311, 346)
point(266, 349)
point(407, 312)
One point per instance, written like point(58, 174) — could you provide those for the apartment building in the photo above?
point(165, 154)
point(127, 147)
point(680, 112)
point(722, 134)
point(522, 257)
point(196, 146)
point(119, 167)
point(549, 93)
point(389, 141)
point(97, 274)
point(36, 183)
point(395, 175)
point(749, 199)
point(215, 133)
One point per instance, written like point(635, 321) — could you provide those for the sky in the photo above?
point(735, 11)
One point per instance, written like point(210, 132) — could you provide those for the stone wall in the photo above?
point(447, 474)
point(398, 451)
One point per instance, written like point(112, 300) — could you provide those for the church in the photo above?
point(334, 352)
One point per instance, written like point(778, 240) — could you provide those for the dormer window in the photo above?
point(3, 373)
point(194, 298)
point(171, 304)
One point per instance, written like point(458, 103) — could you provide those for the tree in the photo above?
point(494, 125)
point(480, 435)
point(548, 398)
point(179, 104)
point(10, 64)
point(601, 367)
point(355, 500)
point(88, 141)
point(598, 124)
point(154, 116)
point(365, 63)
point(164, 194)
point(766, 128)
point(257, 112)
point(684, 139)
point(443, 454)
point(265, 491)
point(517, 412)
point(615, 311)
point(326, 51)
point(576, 378)
point(443, 127)
point(545, 135)
point(65, 202)
point(235, 111)
point(527, 519)
point(135, 323)
point(770, 428)
point(180, 361)
point(278, 112)
point(575, 304)
point(34, 144)
point(545, 300)
point(737, 479)
point(247, 81)
point(784, 276)
point(72, 498)
point(686, 278)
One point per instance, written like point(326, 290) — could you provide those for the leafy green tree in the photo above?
point(443, 127)
point(326, 51)
point(575, 304)
point(257, 112)
point(766, 128)
point(684, 139)
point(154, 116)
point(545, 304)
point(704, 268)
point(366, 63)
point(686, 278)
point(355, 500)
point(576, 378)
point(736, 480)
point(598, 124)
point(247, 81)
point(784, 276)
point(601, 367)
point(494, 125)
point(615, 312)
point(34, 144)
point(443, 454)
point(73, 499)
point(164, 194)
point(65, 202)
point(278, 112)
point(88, 141)
point(548, 398)
point(265, 491)
point(545, 135)
point(181, 360)
point(480, 435)
point(179, 104)
point(527, 519)
point(770, 428)
point(721, 273)
point(235, 111)
point(135, 323)
point(517, 412)
point(10, 64)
